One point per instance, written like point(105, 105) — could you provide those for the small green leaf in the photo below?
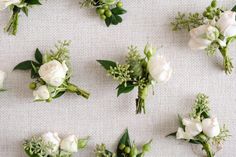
point(26, 65)
point(124, 89)
point(234, 8)
point(25, 10)
point(38, 56)
point(107, 64)
point(33, 2)
point(118, 18)
point(34, 74)
point(114, 21)
point(82, 143)
point(108, 21)
point(118, 11)
point(59, 94)
point(194, 141)
point(124, 140)
point(181, 121)
point(172, 134)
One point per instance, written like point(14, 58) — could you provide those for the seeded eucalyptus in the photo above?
point(109, 10)
point(140, 72)
point(124, 149)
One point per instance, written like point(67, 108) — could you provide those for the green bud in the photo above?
point(101, 11)
point(213, 3)
point(82, 143)
point(209, 9)
point(147, 146)
point(106, 7)
point(108, 13)
point(134, 151)
point(32, 85)
point(121, 146)
point(103, 17)
point(119, 4)
point(49, 99)
point(127, 150)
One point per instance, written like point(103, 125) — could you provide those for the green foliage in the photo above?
point(212, 48)
point(115, 18)
point(32, 2)
point(101, 151)
point(224, 134)
point(120, 73)
point(107, 64)
point(12, 25)
point(125, 88)
point(82, 143)
point(234, 8)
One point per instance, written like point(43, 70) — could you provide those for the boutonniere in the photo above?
point(140, 72)
point(109, 10)
point(213, 30)
point(51, 145)
point(52, 72)
point(124, 149)
point(202, 128)
point(2, 79)
point(16, 7)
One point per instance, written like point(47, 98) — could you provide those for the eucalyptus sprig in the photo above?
point(52, 72)
point(140, 72)
point(212, 30)
point(201, 127)
point(17, 7)
point(109, 10)
point(125, 148)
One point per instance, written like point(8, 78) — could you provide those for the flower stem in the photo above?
point(12, 25)
point(74, 89)
point(228, 65)
point(207, 148)
point(141, 100)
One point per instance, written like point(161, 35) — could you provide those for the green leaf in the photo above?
point(26, 65)
point(82, 143)
point(234, 8)
point(118, 18)
point(107, 64)
point(33, 2)
point(108, 21)
point(114, 21)
point(194, 141)
point(181, 121)
point(125, 89)
point(59, 94)
point(172, 134)
point(25, 10)
point(124, 140)
point(34, 74)
point(118, 11)
point(38, 56)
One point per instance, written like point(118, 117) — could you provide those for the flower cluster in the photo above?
point(108, 10)
point(125, 148)
point(201, 127)
point(16, 6)
point(51, 145)
point(138, 71)
point(2, 79)
point(52, 72)
point(213, 30)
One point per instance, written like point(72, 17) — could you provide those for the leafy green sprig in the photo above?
point(124, 149)
point(24, 6)
point(109, 10)
point(133, 73)
point(61, 53)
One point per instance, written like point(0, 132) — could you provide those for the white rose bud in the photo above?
point(211, 127)
point(2, 78)
point(6, 3)
point(70, 144)
point(53, 139)
point(203, 36)
point(41, 93)
point(227, 23)
point(192, 127)
point(159, 68)
point(53, 72)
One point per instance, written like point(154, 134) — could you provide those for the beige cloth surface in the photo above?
point(104, 117)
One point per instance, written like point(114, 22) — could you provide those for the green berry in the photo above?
point(106, 7)
point(49, 100)
point(209, 9)
point(121, 146)
point(103, 17)
point(108, 13)
point(119, 4)
point(134, 151)
point(32, 85)
point(214, 3)
point(127, 150)
point(147, 146)
point(101, 11)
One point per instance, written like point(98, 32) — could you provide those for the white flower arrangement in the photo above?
point(214, 29)
point(52, 72)
point(51, 145)
point(16, 7)
point(202, 128)
point(138, 71)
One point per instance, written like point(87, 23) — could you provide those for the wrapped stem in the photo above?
point(207, 148)
point(141, 100)
point(228, 65)
point(12, 25)
point(74, 89)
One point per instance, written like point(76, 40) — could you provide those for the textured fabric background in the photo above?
point(104, 116)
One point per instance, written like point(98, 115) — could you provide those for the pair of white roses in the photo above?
point(53, 73)
point(68, 144)
point(204, 35)
point(193, 127)
point(6, 3)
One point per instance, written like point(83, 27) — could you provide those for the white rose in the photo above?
point(227, 23)
point(41, 93)
point(202, 36)
point(159, 68)
point(6, 3)
point(53, 72)
point(192, 127)
point(211, 127)
point(53, 139)
point(70, 144)
point(2, 78)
